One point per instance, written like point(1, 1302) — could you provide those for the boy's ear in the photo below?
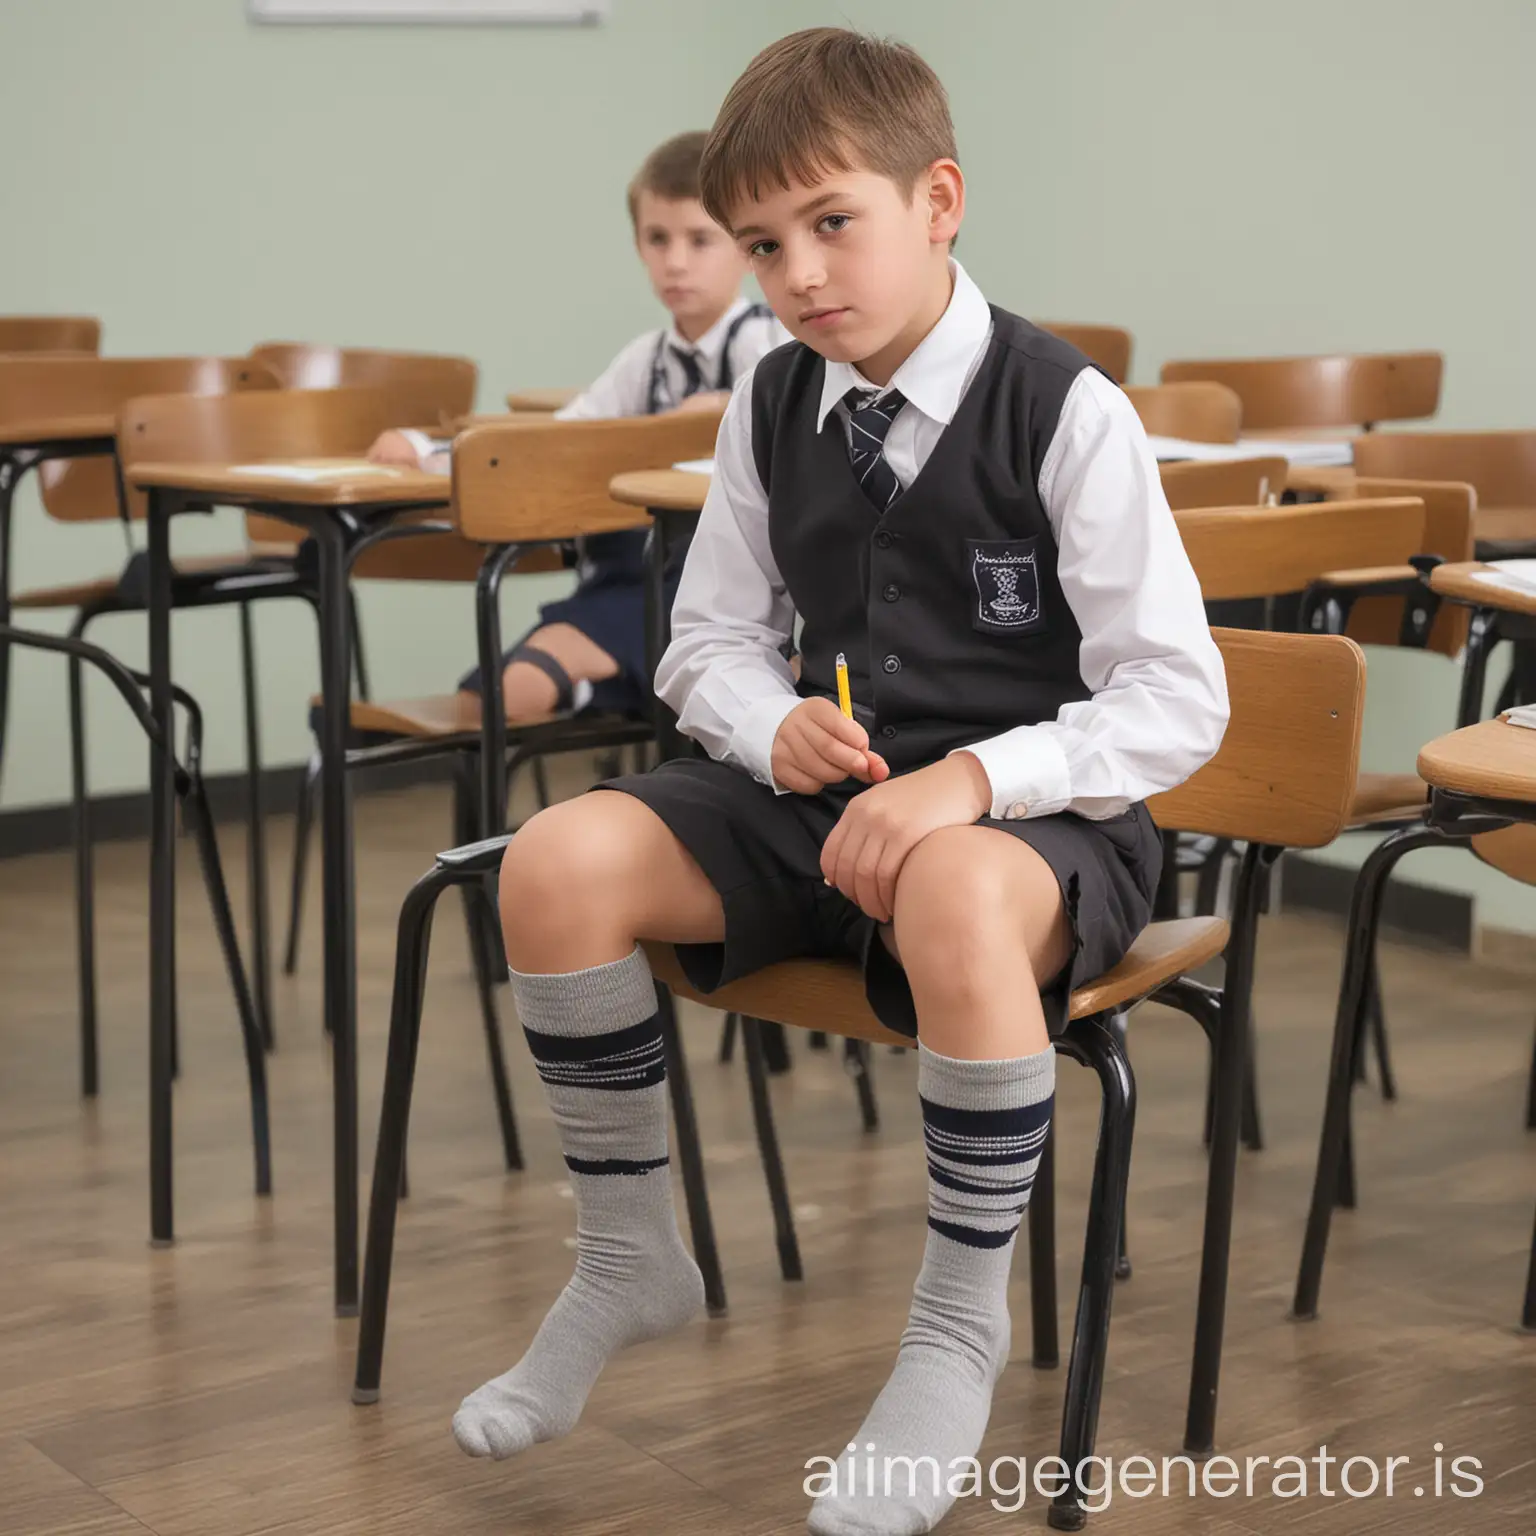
point(945, 187)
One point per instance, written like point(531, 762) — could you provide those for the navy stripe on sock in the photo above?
point(576, 1048)
point(973, 1237)
point(1025, 1120)
point(949, 1181)
point(607, 1165)
point(987, 1156)
point(617, 1077)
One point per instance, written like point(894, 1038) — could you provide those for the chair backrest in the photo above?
point(1448, 514)
point(1242, 552)
point(1106, 345)
point(547, 479)
point(38, 388)
point(49, 333)
point(1234, 483)
point(1198, 411)
point(429, 389)
point(1283, 393)
point(1284, 774)
point(1500, 465)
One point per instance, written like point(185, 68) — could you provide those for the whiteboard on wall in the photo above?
point(576, 12)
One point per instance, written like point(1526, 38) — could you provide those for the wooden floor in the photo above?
point(205, 1389)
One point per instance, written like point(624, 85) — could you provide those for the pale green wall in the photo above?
point(1221, 176)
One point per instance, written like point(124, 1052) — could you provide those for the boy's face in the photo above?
point(852, 266)
point(695, 267)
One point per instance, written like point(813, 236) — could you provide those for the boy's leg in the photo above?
point(581, 882)
point(980, 927)
point(528, 691)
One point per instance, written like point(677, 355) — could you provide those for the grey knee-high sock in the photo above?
point(597, 1041)
point(985, 1124)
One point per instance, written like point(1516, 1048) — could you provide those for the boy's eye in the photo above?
point(833, 223)
point(759, 249)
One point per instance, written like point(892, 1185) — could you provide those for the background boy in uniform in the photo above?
point(969, 510)
point(588, 649)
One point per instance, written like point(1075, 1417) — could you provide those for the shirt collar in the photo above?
point(710, 345)
point(933, 378)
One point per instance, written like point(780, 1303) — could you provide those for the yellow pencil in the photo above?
point(844, 698)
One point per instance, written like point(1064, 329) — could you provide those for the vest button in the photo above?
point(891, 593)
point(892, 663)
point(888, 731)
point(883, 540)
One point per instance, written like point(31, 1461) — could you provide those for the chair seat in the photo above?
point(1387, 797)
point(442, 714)
point(829, 994)
point(79, 594)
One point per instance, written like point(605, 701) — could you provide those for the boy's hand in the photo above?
point(871, 841)
point(817, 744)
point(392, 448)
point(708, 400)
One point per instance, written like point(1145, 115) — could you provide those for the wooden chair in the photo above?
point(1233, 483)
point(539, 402)
point(1282, 777)
point(1106, 345)
point(1287, 394)
point(49, 333)
point(1198, 411)
point(1501, 466)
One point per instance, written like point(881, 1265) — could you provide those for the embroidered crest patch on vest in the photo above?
point(1007, 581)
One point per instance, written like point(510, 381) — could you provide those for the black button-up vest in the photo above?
point(948, 606)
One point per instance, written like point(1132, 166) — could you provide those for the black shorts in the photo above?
point(762, 853)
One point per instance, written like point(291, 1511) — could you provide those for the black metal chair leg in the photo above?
point(856, 1063)
point(541, 783)
point(1252, 1131)
point(414, 937)
point(1379, 1042)
point(817, 1040)
point(10, 473)
point(359, 661)
point(256, 835)
point(303, 819)
point(1530, 1093)
point(1046, 1351)
point(1231, 1043)
point(1359, 944)
point(512, 1151)
point(85, 885)
point(1528, 1312)
point(728, 1039)
point(1091, 1043)
point(200, 820)
point(690, 1157)
point(1117, 1023)
point(1208, 885)
point(775, 1040)
point(768, 1150)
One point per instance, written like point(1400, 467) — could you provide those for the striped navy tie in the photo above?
point(870, 416)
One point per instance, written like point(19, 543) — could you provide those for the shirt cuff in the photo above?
point(1027, 770)
point(424, 444)
point(752, 740)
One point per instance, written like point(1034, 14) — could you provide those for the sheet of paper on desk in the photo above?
point(1314, 454)
point(1522, 714)
point(310, 474)
point(1510, 575)
point(696, 466)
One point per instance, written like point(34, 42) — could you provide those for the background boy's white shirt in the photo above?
point(1159, 704)
point(624, 386)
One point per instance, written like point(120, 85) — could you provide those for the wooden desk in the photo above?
point(664, 490)
point(1482, 780)
point(340, 511)
point(1498, 613)
point(1491, 760)
point(57, 431)
point(540, 400)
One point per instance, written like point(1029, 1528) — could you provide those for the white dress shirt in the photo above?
point(1159, 704)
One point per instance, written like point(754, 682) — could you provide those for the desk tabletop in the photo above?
point(299, 482)
point(1460, 580)
point(1492, 760)
point(58, 429)
point(673, 490)
point(540, 399)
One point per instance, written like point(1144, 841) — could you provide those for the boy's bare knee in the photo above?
point(565, 859)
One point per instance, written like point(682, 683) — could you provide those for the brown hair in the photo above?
point(825, 99)
point(670, 170)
